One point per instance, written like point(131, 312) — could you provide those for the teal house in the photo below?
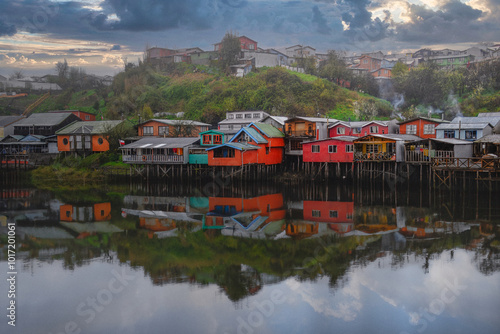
point(198, 154)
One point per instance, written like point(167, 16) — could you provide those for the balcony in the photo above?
point(381, 156)
point(301, 133)
point(153, 159)
point(425, 155)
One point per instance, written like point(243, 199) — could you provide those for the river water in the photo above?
point(214, 257)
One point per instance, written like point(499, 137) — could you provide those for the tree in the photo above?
point(334, 68)
point(308, 64)
point(365, 110)
point(62, 69)
point(399, 69)
point(17, 75)
point(229, 51)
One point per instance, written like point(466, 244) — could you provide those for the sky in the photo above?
point(98, 35)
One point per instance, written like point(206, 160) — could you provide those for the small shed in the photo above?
point(422, 151)
point(487, 145)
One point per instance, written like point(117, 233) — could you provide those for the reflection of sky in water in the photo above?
point(377, 298)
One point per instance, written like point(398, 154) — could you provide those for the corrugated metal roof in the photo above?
point(452, 141)
point(44, 119)
point(177, 122)
point(6, 120)
point(435, 120)
point(92, 127)
point(488, 114)
point(238, 146)
point(269, 130)
point(169, 142)
point(494, 139)
point(456, 126)
point(341, 138)
point(237, 121)
point(315, 119)
point(474, 120)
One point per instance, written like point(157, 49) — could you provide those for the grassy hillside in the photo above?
point(207, 96)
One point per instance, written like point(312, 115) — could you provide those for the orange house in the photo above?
point(171, 128)
point(95, 213)
point(257, 143)
point(220, 208)
point(421, 126)
point(86, 137)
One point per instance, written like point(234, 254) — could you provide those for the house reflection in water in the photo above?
point(256, 217)
point(163, 217)
point(321, 218)
point(87, 220)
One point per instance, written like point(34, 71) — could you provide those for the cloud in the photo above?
point(7, 29)
point(116, 47)
point(320, 21)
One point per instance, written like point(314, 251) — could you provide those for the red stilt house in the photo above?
point(338, 149)
point(257, 143)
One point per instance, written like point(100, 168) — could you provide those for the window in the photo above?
point(349, 148)
point(356, 130)
point(225, 152)
point(65, 141)
point(100, 141)
point(217, 139)
point(429, 129)
point(230, 116)
point(332, 148)
point(372, 148)
point(267, 150)
point(411, 129)
point(251, 47)
point(207, 139)
point(230, 127)
point(147, 131)
point(365, 61)
point(340, 131)
point(449, 133)
point(248, 115)
point(87, 117)
point(239, 116)
point(348, 215)
point(470, 134)
point(386, 72)
point(334, 214)
point(256, 115)
point(315, 148)
point(316, 213)
point(163, 130)
point(373, 129)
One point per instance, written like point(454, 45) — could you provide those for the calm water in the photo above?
point(217, 258)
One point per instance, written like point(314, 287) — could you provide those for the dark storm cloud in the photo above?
point(7, 29)
point(154, 15)
point(356, 13)
point(454, 21)
point(320, 21)
point(116, 47)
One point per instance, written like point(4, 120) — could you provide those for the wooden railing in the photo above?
point(467, 163)
point(301, 133)
point(149, 159)
point(426, 155)
point(382, 156)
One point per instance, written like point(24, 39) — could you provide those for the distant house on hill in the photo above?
point(85, 137)
point(45, 124)
point(245, 43)
point(171, 128)
point(236, 120)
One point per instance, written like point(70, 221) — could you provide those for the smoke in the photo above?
point(386, 91)
point(454, 106)
point(398, 101)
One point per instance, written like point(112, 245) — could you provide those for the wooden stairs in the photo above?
point(35, 104)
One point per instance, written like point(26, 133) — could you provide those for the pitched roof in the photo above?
point(269, 130)
point(494, 139)
point(92, 127)
point(254, 134)
point(341, 138)
point(237, 146)
point(157, 142)
point(397, 137)
point(45, 119)
point(280, 119)
point(473, 120)
point(177, 122)
point(314, 119)
point(7, 120)
point(435, 120)
point(465, 126)
point(357, 124)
